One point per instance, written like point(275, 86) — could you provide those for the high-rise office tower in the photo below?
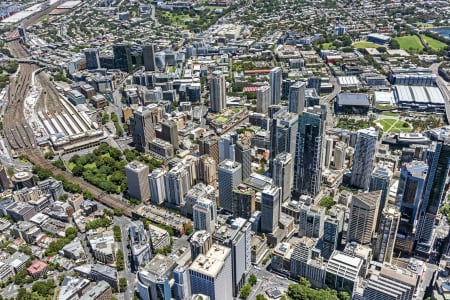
point(410, 189)
point(198, 191)
point(243, 202)
point(270, 208)
point(237, 236)
point(122, 57)
point(157, 186)
point(328, 152)
point(363, 159)
point(230, 176)
point(142, 126)
point(339, 155)
point(263, 99)
point(297, 97)
point(381, 180)
point(243, 155)
point(201, 242)
point(169, 133)
point(140, 244)
point(283, 132)
point(153, 280)
point(92, 58)
point(217, 92)
point(314, 83)
point(207, 170)
point(210, 145)
point(308, 157)
point(438, 158)
point(276, 78)
point(332, 230)
point(387, 232)
point(181, 287)
point(306, 262)
point(210, 274)
point(285, 85)
point(191, 165)
point(391, 283)
point(311, 220)
point(176, 182)
point(204, 214)
point(363, 217)
point(137, 180)
point(282, 174)
point(227, 146)
point(148, 56)
point(22, 33)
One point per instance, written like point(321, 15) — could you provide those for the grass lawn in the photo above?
point(393, 126)
point(71, 165)
point(221, 120)
point(433, 43)
point(365, 44)
point(90, 166)
point(326, 46)
point(409, 42)
point(424, 25)
point(389, 113)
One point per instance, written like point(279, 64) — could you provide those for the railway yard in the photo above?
point(20, 135)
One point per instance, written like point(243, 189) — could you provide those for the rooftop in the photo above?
point(211, 263)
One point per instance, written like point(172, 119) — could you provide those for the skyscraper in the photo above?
point(328, 152)
point(276, 78)
point(227, 145)
point(243, 155)
point(243, 202)
point(142, 126)
point(297, 97)
point(140, 244)
point(387, 232)
point(201, 242)
point(153, 280)
point(169, 133)
point(176, 182)
point(230, 176)
point(157, 186)
point(339, 155)
point(332, 230)
point(391, 283)
point(217, 92)
point(363, 217)
point(209, 145)
point(263, 99)
point(92, 58)
point(148, 56)
point(410, 189)
point(308, 157)
point(207, 170)
point(270, 208)
point(137, 180)
point(363, 159)
point(22, 34)
point(122, 57)
point(236, 236)
point(381, 180)
point(311, 220)
point(282, 174)
point(283, 132)
point(438, 158)
point(204, 214)
point(210, 274)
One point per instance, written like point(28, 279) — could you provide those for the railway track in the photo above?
point(21, 138)
point(34, 156)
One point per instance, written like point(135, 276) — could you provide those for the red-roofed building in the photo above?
point(37, 269)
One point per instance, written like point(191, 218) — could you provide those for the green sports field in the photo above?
point(409, 42)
